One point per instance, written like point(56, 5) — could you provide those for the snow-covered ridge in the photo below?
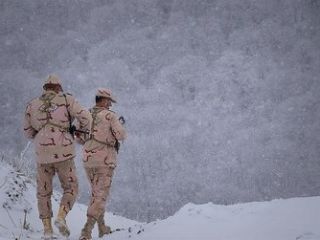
point(19, 213)
point(290, 219)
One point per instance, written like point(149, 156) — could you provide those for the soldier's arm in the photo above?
point(80, 137)
point(28, 130)
point(78, 112)
point(117, 128)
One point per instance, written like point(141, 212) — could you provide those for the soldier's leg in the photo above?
point(67, 175)
point(45, 173)
point(100, 181)
point(87, 229)
point(89, 225)
point(102, 227)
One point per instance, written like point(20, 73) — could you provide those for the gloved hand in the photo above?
point(122, 120)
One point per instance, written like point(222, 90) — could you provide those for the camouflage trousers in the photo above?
point(66, 172)
point(100, 179)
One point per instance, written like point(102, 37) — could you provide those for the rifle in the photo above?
point(73, 130)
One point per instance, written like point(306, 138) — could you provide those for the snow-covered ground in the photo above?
point(291, 219)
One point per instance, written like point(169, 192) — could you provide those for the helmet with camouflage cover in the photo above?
point(52, 80)
point(106, 93)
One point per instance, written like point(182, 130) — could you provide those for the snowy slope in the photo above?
point(18, 194)
point(291, 219)
point(297, 218)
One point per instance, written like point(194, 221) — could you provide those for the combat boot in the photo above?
point(87, 229)
point(102, 227)
point(61, 223)
point(47, 229)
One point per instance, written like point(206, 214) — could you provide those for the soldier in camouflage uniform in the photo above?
point(99, 158)
point(47, 121)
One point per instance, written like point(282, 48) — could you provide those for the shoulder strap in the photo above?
point(94, 112)
point(69, 116)
point(46, 100)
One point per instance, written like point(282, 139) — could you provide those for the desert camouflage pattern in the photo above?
point(99, 157)
point(52, 79)
point(46, 121)
point(98, 150)
point(100, 179)
point(66, 172)
point(106, 93)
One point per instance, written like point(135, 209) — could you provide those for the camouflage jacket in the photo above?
point(99, 149)
point(47, 122)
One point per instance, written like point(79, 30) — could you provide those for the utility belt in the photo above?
point(91, 137)
point(64, 129)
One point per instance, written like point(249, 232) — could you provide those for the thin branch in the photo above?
point(25, 225)
point(23, 152)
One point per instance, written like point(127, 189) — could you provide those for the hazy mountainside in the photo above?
point(221, 97)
